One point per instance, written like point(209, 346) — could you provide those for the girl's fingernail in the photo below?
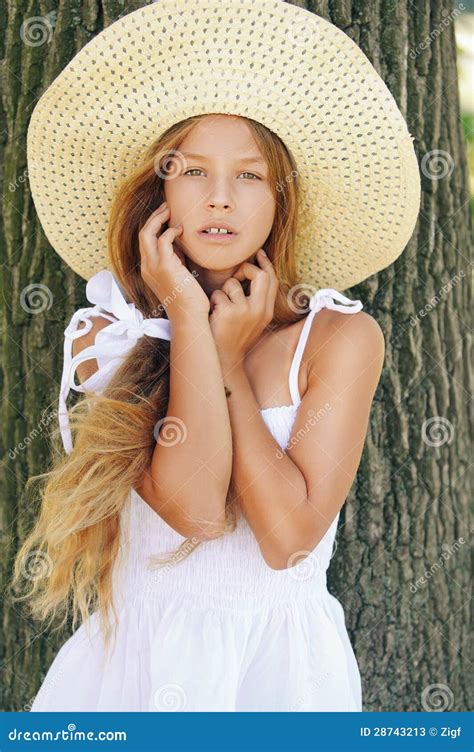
point(262, 252)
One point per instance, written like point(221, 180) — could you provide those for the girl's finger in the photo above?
point(247, 271)
point(155, 220)
point(167, 237)
point(274, 283)
point(218, 298)
point(233, 289)
point(165, 240)
point(258, 280)
point(267, 266)
point(180, 254)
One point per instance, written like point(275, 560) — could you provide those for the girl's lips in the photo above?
point(217, 237)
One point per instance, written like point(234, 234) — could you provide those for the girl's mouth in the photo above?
point(218, 237)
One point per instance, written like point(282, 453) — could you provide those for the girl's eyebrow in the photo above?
point(255, 158)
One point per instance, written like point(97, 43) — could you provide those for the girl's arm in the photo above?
point(290, 499)
point(191, 466)
point(189, 474)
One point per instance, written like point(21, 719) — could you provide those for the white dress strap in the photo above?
point(323, 298)
point(112, 343)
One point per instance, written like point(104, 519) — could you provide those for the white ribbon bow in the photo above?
point(326, 296)
point(112, 343)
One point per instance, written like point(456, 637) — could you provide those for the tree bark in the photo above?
point(406, 515)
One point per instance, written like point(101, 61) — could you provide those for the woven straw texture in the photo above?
point(291, 70)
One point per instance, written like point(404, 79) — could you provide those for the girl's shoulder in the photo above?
point(355, 343)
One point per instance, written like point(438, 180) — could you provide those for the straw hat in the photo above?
point(289, 69)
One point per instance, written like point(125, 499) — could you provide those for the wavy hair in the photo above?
point(76, 536)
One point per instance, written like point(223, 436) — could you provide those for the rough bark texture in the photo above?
point(408, 505)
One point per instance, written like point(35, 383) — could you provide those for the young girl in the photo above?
point(192, 521)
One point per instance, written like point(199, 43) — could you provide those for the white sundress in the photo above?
point(218, 630)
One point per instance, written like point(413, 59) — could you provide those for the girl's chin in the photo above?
point(214, 259)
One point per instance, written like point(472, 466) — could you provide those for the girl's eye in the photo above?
point(197, 169)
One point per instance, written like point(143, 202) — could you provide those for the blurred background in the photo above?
point(464, 31)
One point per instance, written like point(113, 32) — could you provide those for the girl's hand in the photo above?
point(163, 268)
point(237, 320)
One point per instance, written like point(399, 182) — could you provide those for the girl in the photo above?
point(220, 433)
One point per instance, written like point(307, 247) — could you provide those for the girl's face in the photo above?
point(218, 175)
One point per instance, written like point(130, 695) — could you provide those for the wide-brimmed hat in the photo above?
point(289, 69)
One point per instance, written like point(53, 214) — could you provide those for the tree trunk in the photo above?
point(406, 516)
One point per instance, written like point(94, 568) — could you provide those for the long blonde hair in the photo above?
point(75, 539)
